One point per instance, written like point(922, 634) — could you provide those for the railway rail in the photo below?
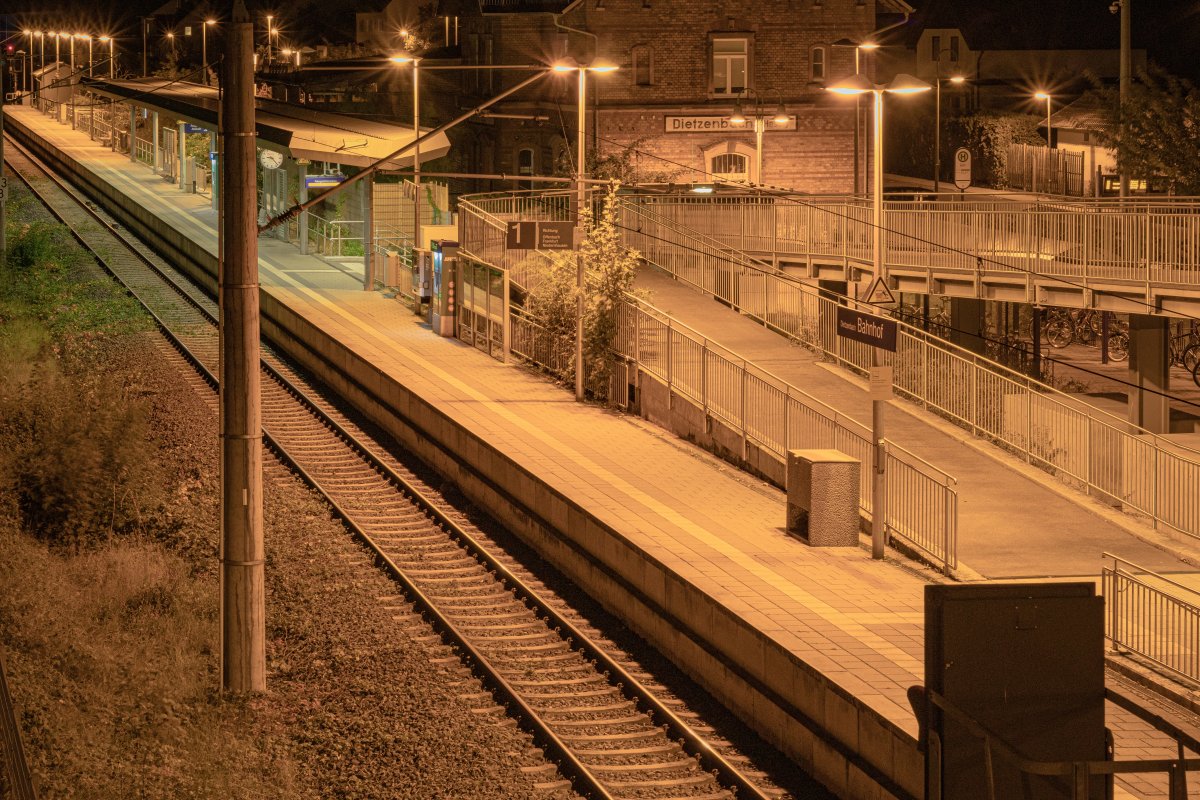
point(610, 729)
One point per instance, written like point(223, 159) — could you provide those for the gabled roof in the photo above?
point(1085, 114)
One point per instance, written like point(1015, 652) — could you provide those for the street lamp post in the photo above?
point(57, 38)
point(72, 37)
point(1049, 137)
point(738, 119)
point(204, 48)
point(937, 129)
point(581, 198)
point(91, 63)
point(858, 86)
point(29, 85)
point(112, 70)
point(858, 48)
point(405, 58)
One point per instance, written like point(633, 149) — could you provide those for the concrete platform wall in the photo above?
point(837, 738)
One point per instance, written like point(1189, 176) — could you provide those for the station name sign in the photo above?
point(719, 124)
point(867, 328)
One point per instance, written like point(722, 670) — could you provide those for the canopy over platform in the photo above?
point(291, 129)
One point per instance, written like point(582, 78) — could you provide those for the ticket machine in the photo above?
point(442, 304)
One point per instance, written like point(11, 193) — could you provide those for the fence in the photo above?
point(335, 238)
point(14, 769)
point(1085, 448)
point(1153, 616)
point(1043, 169)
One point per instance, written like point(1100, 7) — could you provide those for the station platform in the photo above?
point(838, 635)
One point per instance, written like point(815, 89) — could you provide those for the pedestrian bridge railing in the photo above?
point(1152, 242)
point(765, 410)
point(1084, 447)
point(1153, 616)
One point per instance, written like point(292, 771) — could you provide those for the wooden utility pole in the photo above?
point(243, 662)
point(1126, 77)
point(3, 180)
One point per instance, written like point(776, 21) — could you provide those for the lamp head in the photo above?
point(957, 79)
point(210, 22)
point(781, 116)
point(702, 188)
point(403, 58)
point(855, 84)
point(601, 65)
point(868, 46)
point(737, 117)
point(1042, 95)
point(28, 33)
point(104, 38)
point(906, 84)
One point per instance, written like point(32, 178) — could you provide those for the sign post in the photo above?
point(962, 169)
point(881, 334)
point(539, 235)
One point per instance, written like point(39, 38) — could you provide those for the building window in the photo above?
point(730, 64)
point(954, 48)
point(525, 167)
point(731, 161)
point(643, 65)
point(935, 50)
point(817, 63)
point(731, 165)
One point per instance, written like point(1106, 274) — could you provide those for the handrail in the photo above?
point(1079, 773)
point(1159, 620)
point(833, 414)
point(916, 332)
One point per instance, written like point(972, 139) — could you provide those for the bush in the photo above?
point(77, 457)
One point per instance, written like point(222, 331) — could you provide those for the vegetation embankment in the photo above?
point(109, 585)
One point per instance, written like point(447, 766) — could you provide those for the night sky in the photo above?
point(1168, 29)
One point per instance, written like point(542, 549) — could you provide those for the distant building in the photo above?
point(684, 66)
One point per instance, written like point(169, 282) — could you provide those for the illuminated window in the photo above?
point(730, 64)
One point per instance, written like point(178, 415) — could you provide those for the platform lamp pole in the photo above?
point(3, 182)
point(571, 65)
point(857, 86)
point(415, 61)
point(243, 663)
point(204, 48)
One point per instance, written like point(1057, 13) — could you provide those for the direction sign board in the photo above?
point(962, 168)
point(540, 235)
point(867, 328)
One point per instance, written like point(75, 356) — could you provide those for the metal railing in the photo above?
point(144, 151)
point(1141, 241)
point(1078, 780)
point(776, 416)
point(1153, 616)
point(14, 769)
point(335, 238)
point(1084, 447)
point(922, 507)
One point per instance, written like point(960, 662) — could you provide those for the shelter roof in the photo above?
point(292, 129)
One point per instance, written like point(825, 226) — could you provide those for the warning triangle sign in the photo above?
point(879, 294)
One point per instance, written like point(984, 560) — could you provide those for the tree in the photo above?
point(608, 269)
point(628, 164)
point(1159, 132)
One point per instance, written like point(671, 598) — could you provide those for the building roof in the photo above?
point(292, 129)
point(1085, 114)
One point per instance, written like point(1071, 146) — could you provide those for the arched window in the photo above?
point(733, 161)
point(816, 63)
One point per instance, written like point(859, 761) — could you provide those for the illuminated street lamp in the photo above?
point(760, 119)
point(859, 85)
point(204, 48)
point(29, 69)
point(415, 61)
point(1046, 96)
point(581, 192)
point(859, 48)
point(87, 36)
point(112, 62)
point(937, 128)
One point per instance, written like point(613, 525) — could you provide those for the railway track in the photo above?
point(611, 731)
